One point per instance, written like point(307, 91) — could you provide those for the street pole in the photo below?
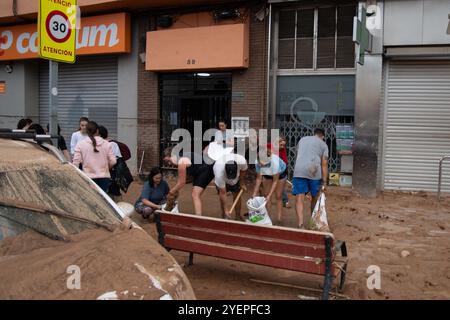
point(53, 86)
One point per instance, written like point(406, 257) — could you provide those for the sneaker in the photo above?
point(287, 205)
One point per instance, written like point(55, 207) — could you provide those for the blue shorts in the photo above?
point(303, 186)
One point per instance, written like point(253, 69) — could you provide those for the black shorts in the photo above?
point(282, 176)
point(235, 188)
point(203, 176)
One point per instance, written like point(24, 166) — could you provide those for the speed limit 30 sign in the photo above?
point(57, 33)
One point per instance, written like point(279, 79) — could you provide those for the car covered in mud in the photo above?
point(62, 237)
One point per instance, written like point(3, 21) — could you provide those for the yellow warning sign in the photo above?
point(57, 30)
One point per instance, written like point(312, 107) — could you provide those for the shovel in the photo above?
point(141, 175)
point(236, 201)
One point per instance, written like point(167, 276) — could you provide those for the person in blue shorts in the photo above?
point(310, 172)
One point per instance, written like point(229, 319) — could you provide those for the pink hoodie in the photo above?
point(95, 164)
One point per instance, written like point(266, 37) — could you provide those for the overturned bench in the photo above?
point(304, 251)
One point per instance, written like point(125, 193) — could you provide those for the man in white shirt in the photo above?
point(229, 173)
point(224, 136)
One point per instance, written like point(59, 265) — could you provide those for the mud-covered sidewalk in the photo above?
point(407, 235)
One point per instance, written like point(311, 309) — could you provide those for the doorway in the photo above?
point(189, 97)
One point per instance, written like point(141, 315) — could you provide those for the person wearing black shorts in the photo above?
point(195, 166)
point(229, 173)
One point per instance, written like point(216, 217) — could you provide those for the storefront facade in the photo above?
point(114, 82)
point(207, 64)
point(415, 96)
point(312, 76)
point(101, 85)
point(395, 101)
point(290, 65)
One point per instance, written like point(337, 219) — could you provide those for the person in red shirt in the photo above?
point(282, 153)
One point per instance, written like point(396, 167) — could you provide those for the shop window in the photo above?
point(332, 95)
point(305, 39)
point(315, 101)
point(332, 47)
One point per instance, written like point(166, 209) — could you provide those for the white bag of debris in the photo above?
point(257, 212)
point(319, 220)
point(174, 210)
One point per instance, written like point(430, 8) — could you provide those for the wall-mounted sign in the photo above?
point(240, 126)
point(97, 35)
point(2, 87)
point(361, 35)
point(201, 48)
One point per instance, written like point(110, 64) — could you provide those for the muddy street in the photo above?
point(405, 234)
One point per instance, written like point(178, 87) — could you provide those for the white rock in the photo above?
point(112, 295)
point(405, 253)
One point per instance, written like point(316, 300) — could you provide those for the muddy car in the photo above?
point(61, 237)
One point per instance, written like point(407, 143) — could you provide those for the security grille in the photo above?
point(293, 132)
point(88, 88)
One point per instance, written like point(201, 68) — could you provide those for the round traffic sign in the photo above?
point(58, 26)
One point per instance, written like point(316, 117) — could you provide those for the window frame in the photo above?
point(314, 69)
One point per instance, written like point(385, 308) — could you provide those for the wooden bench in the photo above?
point(285, 248)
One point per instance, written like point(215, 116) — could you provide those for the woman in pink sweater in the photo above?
point(96, 156)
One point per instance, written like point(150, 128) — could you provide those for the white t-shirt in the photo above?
point(220, 176)
point(275, 166)
point(77, 136)
point(228, 137)
point(115, 149)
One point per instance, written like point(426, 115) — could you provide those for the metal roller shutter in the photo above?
point(417, 125)
point(87, 88)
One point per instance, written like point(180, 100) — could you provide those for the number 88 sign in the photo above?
point(57, 31)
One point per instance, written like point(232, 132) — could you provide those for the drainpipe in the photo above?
point(15, 14)
point(268, 67)
point(14, 8)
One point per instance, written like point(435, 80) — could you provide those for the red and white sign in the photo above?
point(58, 27)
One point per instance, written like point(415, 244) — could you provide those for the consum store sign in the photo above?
point(97, 35)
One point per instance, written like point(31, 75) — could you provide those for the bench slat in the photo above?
point(245, 240)
point(246, 228)
point(264, 258)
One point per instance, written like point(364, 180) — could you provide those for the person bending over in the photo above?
point(195, 166)
point(271, 173)
point(229, 174)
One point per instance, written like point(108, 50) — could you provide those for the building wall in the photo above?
point(251, 83)
point(148, 107)
point(367, 118)
point(416, 22)
point(21, 97)
point(128, 98)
